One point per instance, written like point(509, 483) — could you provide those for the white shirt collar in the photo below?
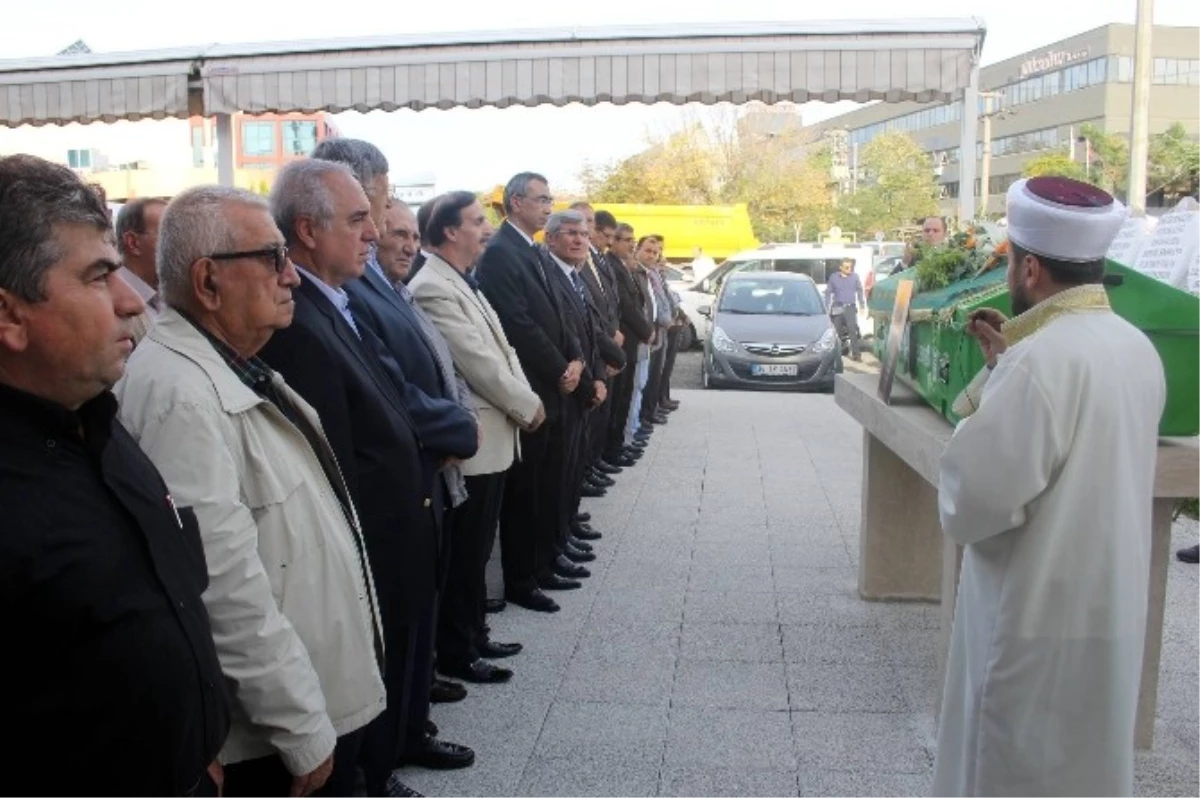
point(142, 288)
point(567, 268)
point(529, 239)
point(339, 298)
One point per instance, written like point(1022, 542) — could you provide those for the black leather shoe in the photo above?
point(494, 605)
point(398, 789)
point(605, 468)
point(583, 518)
point(585, 532)
point(493, 650)
point(659, 418)
point(638, 443)
point(480, 672)
point(565, 568)
point(577, 555)
point(623, 460)
point(647, 428)
point(444, 692)
point(591, 491)
point(534, 600)
point(439, 755)
point(430, 727)
point(578, 544)
point(634, 453)
point(1191, 555)
point(596, 478)
point(556, 582)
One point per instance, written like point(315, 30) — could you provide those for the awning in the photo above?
point(919, 60)
point(98, 87)
point(922, 61)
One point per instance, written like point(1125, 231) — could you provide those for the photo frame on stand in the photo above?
point(891, 353)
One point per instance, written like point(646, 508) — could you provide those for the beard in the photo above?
point(1020, 300)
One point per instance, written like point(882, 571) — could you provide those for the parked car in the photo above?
point(770, 329)
point(882, 270)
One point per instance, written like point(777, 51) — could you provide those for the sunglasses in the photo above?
point(278, 255)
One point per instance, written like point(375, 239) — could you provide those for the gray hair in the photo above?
point(517, 185)
point(36, 198)
point(196, 225)
point(365, 160)
point(562, 218)
point(131, 218)
point(301, 190)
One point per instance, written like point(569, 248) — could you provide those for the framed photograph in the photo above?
point(891, 354)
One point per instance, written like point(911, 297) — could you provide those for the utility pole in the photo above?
point(1139, 133)
point(854, 168)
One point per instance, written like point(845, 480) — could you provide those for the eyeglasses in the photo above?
point(543, 199)
point(278, 254)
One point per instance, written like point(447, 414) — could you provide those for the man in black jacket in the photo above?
point(338, 366)
point(111, 681)
point(638, 331)
point(512, 275)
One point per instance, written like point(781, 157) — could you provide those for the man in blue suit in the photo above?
point(422, 370)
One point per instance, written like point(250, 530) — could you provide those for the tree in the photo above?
point(679, 170)
point(1055, 162)
point(1108, 166)
point(1174, 164)
point(896, 185)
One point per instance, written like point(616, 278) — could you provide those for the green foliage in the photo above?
point(1109, 168)
point(1190, 508)
point(896, 185)
point(965, 254)
point(1174, 164)
point(1057, 163)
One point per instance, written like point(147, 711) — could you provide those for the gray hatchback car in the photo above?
point(770, 329)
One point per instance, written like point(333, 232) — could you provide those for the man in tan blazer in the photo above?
point(455, 234)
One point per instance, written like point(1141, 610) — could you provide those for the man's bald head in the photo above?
point(399, 245)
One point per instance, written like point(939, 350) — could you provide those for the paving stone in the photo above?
point(842, 581)
point(820, 609)
point(616, 641)
point(830, 555)
point(862, 783)
point(845, 688)
point(730, 685)
point(729, 606)
point(860, 741)
point(600, 776)
point(730, 642)
point(726, 578)
point(857, 645)
point(648, 603)
point(618, 681)
point(578, 730)
point(726, 782)
point(743, 739)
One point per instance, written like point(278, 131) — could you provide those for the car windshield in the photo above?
point(771, 297)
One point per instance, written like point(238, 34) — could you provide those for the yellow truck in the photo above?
point(717, 230)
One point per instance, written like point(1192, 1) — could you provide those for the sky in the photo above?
point(478, 148)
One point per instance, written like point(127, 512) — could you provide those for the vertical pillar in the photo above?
point(967, 154)
point(1139, 133)
point(225, 149)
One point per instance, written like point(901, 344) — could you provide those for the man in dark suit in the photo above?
point(513, 277)
point(638, 330)
point(334, 363)
point(435, 398)
point(566, 243)
point(606, 307)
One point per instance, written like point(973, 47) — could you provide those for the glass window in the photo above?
point(73, 159)
point(1125, 69)
point(198, 147)
point(299, 138)
point(1097, 71)
point(771, 296)
point(814, 267)
point(85, 159)
point(258, 138)
point(1050, 84)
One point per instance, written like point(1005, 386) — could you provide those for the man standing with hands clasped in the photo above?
point(1048, 483)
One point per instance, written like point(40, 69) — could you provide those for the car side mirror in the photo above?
point(706, 310)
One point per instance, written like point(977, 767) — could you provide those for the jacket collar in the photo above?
point(172, 331)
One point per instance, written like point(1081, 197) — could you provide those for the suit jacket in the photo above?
point(581, 324)
point(442, 414)
point(604, 319)
point(604, 290)
point(503, 399)
point(516, 283)
point(376, 444)
point(635, 316)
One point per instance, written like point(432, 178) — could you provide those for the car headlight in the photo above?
point(722, 342)
point(825, 342)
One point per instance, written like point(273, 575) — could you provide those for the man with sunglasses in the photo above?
point(290, 597)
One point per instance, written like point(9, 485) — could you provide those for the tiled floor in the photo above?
point(720, 647)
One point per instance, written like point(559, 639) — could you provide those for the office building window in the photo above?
point(1124, 68)
point(1176, 72)
point(258, 138)
point(79, 159)
point(299, 138)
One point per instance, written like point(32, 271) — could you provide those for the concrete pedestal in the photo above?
point(903, 553)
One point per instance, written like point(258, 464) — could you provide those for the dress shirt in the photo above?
point(339, 298)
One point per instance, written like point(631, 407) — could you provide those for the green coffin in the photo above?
point(938, 359)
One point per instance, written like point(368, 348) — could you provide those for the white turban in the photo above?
point(1063, 219)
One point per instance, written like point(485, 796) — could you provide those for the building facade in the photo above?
point(1039, 101)
point(264, 141)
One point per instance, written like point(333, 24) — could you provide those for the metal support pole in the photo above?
point(985, 170)
point(225, 149)
point(1139, 133)
point(970, 135)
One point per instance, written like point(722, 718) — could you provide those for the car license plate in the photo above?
point(775, 370)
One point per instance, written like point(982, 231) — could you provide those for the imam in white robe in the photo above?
point(1049, 485)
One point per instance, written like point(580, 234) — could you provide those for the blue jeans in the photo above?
point(640, 378)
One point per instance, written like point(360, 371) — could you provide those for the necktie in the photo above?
point(578, 285)
point(596, 274)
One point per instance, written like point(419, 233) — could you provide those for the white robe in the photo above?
point(1049, 487)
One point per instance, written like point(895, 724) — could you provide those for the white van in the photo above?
point(815, 260)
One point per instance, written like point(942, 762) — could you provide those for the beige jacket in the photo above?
point(503, 399)
point(290, 599)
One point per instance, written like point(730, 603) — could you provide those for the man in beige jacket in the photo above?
point(290, 596)
point(456, 233)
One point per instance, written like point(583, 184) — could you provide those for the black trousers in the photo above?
point(385, 736)
point(654, 383)
point(557, 466)
point(664, 392)
point(522, 510)
point(268, 776)
point(470, 535)
point(620, 398)
point(421, 678)
point(599, 426)
point(845, 319)
point(581, 457)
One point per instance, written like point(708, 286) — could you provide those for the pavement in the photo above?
point(720, 646)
